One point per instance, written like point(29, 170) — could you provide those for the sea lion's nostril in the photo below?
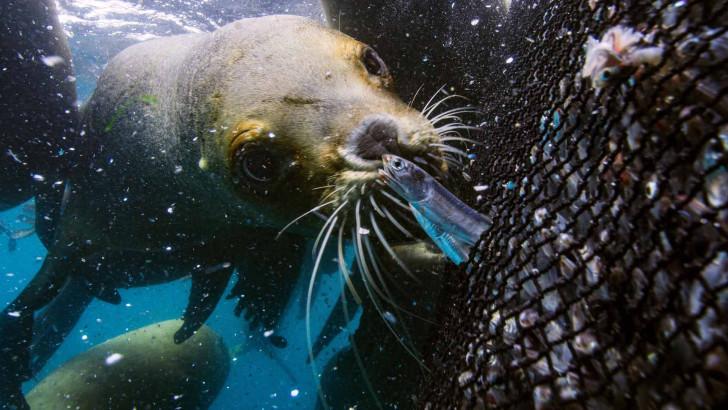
point(376, 136)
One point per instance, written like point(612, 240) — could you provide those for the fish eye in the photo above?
point(397, 164)
point(257, 165)
point(373, 63)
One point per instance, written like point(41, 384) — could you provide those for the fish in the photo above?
point(451, 224)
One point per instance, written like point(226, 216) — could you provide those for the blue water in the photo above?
point(261, 376)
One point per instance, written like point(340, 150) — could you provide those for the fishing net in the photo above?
point(603, 282)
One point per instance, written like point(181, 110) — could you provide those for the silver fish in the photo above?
point(448, 221)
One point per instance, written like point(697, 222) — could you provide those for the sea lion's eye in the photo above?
point(373, 63)
point(258, 165)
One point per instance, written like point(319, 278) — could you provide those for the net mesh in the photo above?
point(603, 282)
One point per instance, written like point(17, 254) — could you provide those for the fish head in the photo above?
point(408, 180)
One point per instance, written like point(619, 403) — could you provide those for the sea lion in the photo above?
point(143, 368)
point(38, 109)
point(204, 147)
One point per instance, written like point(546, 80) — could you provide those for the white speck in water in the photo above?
point(389, 317)
point(177, 396)
point(294, 393)
point(177, 169)
point(168, 248)
point(363, 231)
point(128, 305)
point(113, 358)
point(480, 188)
point(38, 177)
point(10, 274)
point(14, 313)
point(475, 21)
point(170, 210)
point(84, 337)
point(271, 135)
point(268, 333)
point(509, 60)
point(52, 61)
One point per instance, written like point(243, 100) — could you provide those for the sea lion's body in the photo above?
point(143, 368)
point(204, 147)
point(38, 138)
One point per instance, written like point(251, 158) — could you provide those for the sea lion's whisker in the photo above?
point(339, 189)
point(309, 297)
point(453, 113)
point(451, 149)
point(414, 97)
point(437, 104)
point(373, 298)
point(453, 126)
point(453, 118)
point(384, 294)
point(389, 249)
point(427, 104)
point(376, 206)
point(372, 280)
point(449, 160)
point(395, 200)
point(352, 341)
point(324, 187)
point(312, 210)
point(314, 251)
point(343, 269)
point(462, 139)
point(396, 223)
point(453, 163)
point(387, 296)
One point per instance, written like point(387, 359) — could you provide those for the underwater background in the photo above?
point(262, 376)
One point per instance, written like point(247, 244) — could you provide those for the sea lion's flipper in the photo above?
point(53, 323)
point(207, 289)
point(106, 294)
point(267, 279)
point(49, 205)
point(16, 327)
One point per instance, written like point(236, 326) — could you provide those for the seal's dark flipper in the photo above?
point(207, 288)
point(16, 327)
point(266, 280)
point(106, 294)
point(54, 322)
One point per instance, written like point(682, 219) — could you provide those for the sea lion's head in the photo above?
point(303, 115)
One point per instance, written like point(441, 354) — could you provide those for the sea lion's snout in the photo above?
point(375, 136)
